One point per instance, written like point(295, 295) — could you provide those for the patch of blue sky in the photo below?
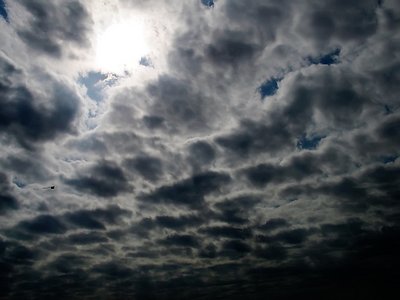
point(389, 159)
point(3, 10)
point(309, 143)
point(94, 83)
point(330, 58)
point(208, 3)
point(19, 183)
point(269, 87)
point(146, 61)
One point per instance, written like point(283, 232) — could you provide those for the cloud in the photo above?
point(227, 231)
point(273, 252)
point(50, 26)
point(230, 51)
point(180, 240)
point(250, 138)
point(148, 167)
point(179, 222)
point(25, 117)
point(323, 25)
point(202, 153)
point(108, 180)
point(236, 210)
point(43, 224)
point(67, 263)
point(256, 157)
point(7, 200)
point(7, 203)
point(84, 219)
point(180, 105)
point(97, 218)
point(275, 223)
point(235, 248)
point(189, 192)
point(112, 270)
point(87, 238)
point(295, 236)
point(17, 254)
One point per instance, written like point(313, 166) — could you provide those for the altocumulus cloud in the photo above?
point(251, 151)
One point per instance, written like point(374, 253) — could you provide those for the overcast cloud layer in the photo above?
point(251, 153)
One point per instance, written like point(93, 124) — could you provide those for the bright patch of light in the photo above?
point(120, 47)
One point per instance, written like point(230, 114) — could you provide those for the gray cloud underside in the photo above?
point(194, 185)
point(53, 24)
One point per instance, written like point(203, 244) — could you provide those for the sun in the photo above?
point(120, 47)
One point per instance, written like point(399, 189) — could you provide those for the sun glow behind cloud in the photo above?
point(121, 46)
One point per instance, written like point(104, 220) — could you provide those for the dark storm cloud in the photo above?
point(234, 248)
point(232, 46)
point(106, 179)
point(188, 192)
point(153, 122)
point(294, 237)
point(84, 219)
point(297, 168)
point(388, 130)
point(236, 210)
point(7, 200)
point(16, 253)
point(202, 153)
point(113, 270)
point(252, 137)
point(24, 117)
point(67, 263)
point(230, 51)
point(332, 21)
point(274, 223)
point(46, 224)
point(227, 231)
point(87, 238)
point(51, 25)
point(26, 168)
point(356, 193)
point(178, 105)
point(181, 240)
point(43, 224)
point(325, 92)
point(105, 143)
point(258, 19)
point(347, 231)
point(141, 228)
point(274, 251)
point(179, 222)
point(380, 142)
point(150, 168)
point(209, 251)
point(97, 219)
point(328, 91)
point(24, 120)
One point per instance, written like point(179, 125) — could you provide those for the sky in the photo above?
point(199, 149)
